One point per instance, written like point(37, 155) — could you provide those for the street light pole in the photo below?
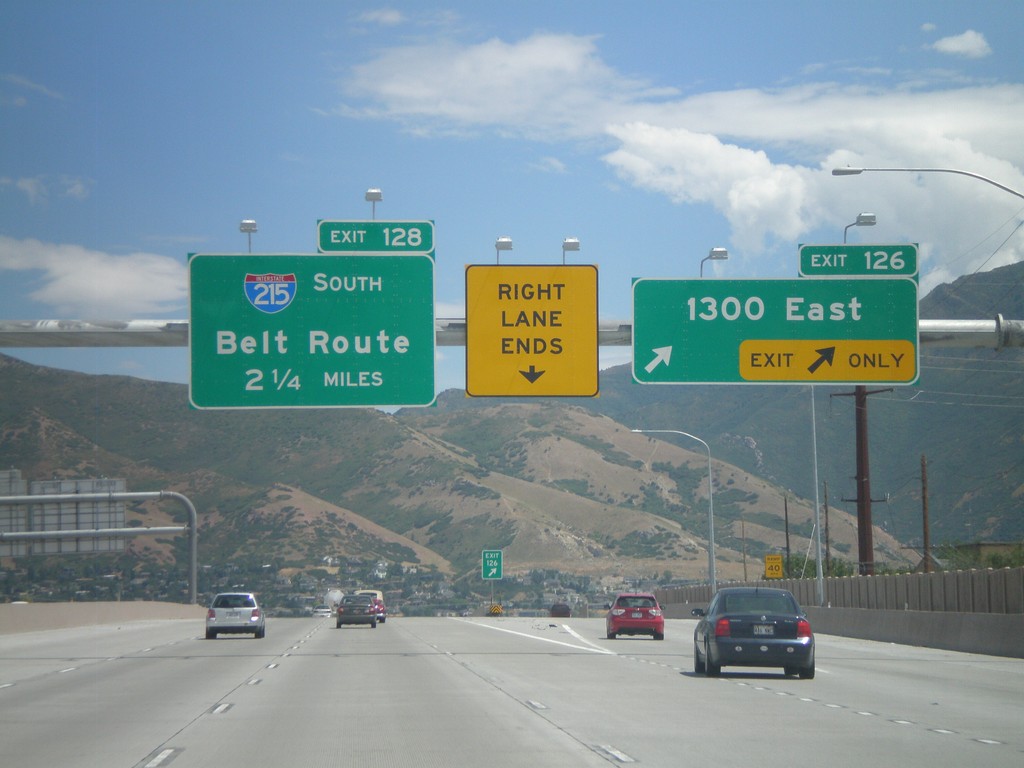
point(501, 244)
point(570, 244)
point(374, 196)
point(857, 171)
point(712, 577)
point(248, 226)
point(715, 254)
point(863, 220)
point(865, 542)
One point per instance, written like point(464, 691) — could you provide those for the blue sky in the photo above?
point(134, 133)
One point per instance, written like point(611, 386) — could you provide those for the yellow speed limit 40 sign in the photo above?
point(773, 567)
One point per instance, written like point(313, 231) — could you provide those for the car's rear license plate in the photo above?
point(764, 629)
point(637, 615)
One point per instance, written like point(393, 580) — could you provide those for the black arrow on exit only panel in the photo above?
point(826, 355)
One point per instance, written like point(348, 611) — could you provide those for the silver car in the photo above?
point(235, 613)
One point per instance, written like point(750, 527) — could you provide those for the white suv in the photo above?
point(235, 613)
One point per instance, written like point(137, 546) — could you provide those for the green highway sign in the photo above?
point(369, 238)
point(310, 331)
point(490, 564)
point(858, 260)
point(836, 331)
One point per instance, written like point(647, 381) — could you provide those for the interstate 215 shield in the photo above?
point(270, 293)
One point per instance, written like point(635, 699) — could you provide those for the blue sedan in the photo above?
point(753, 627)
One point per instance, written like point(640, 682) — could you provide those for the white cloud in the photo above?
point(74, 187)
point(23, 83)
point(761, 157)
point(756, 196)
point(549, 165)
point(970, 44)
point(544, 86)
point(34, 189)
point(387, 17)
point(37, 188)
point(83, 283)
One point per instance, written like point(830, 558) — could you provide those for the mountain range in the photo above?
point(556, 483)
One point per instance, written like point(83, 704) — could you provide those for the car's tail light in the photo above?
point(255, 615)
point(211, 614)
point(655, 612)
point(803, 628)
point(722, 628)
point(618, 611)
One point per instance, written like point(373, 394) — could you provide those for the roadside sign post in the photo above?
point(835, 331)
point(309, 331)
point(491, 568)
point(773, 567)
point(531, 330)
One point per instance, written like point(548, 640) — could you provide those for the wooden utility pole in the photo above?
point(828, 551)
point(789, 570)
point(924, 516)
point(865, 536)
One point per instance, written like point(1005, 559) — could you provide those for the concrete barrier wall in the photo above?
point(981, 591)
point(35, 617)
point(989, 633)
point(970, 611)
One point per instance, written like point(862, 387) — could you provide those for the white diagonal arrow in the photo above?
point(661, 355)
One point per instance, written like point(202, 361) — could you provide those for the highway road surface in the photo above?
point(492, 692)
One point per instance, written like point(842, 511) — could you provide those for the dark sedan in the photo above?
point(357, 609)
point(753, 627)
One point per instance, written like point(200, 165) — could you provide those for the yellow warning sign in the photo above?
point(531, 330)
point(820, 360)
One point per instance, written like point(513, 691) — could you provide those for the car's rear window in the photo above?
point(234, 601)
point(636, 602)
point(758, 604)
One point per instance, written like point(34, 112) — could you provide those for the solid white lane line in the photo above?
point(591, 648)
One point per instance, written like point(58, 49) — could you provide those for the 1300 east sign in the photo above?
point(775, 331)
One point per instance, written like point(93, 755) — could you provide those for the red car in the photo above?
point(382, 611)
point(635, 613)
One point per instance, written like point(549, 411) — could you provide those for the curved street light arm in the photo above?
point(857, 171)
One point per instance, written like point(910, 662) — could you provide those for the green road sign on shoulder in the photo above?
point(309, 331)
point(858, 260)
point(836, 331)
point(375, 237)
point(490, 564)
